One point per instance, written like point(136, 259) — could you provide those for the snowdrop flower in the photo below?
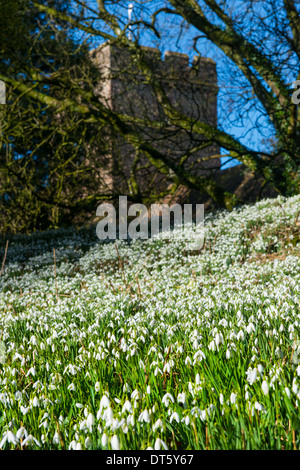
point(148, 389)
point(90, 421)
point(158, 424)
point(159, 444)
point(56, 438)
point(10, 438)
point(97, 387)
point(187, 360)
point(228, 354)
point(233, 398)
point(104, 440)
point(115, 443)
point(287, 391)
point(127, 407)
point(260, 369)
point(88, 442)
point(259, 406)
point(104, 403)
point(24, 410)
point(265, 387)
point(174, 416)
point(182, 399)
point(29, 440)
point(22, 432)
point(221, 398)
point(166, 399)
point(250, 328)
point(252, 376)
point(72, 445)
point(144, 416)
point(79, 405)
point(72, 387)
point(31, 371)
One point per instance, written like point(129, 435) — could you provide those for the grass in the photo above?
point(147, 345)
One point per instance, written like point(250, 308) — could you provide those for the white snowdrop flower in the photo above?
point(90, 421)
point(135, 395)
point(127, 407)
point(35, 402)
point(79, 405)
point(158, 424)
point(181, 398)
point(10, 438)
point(218, 339)
point(104, 440)
point(115, 443)
point(159, 444)
point(56, 438)
point(88, 443)
point(78, 446)
point(117, 400)
point(72, 387)
point(221, 398)
point(144, 416)
point(240, 335)
point(259, 406)
point(31, 371)
point(167, 368)
point(228, 354)
point(265, 387)
point(247, 395)
point(187, 360)
point(166, 399)
point(158, 371)
point(104, 403)
point(252, 376)
point(260, 369)
point(233, 398)
point(97, 387)
point(295, 387)
point(174, 416)
point(212, 346)
point(24, 410)
point(298, 370)
point(198, 379)
point(22, 432)
point(108, 416)
point(149, 448)
point(250, 328)
point(288, 392)
point(29, 440)
point(126, 388)
point(148, 389)
point(187, 420)
point(72, 445)
point(18, 395)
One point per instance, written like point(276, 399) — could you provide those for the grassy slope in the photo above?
point(189, 350)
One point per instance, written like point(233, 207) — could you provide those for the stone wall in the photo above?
point(192, 90)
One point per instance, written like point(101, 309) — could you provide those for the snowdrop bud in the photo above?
point(265, 387)
point(287, 391)
point(233, 398)
point(115, 443)
point(221, 398)
point(104, 440)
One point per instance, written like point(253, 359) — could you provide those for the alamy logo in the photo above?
point(2, 92)
point(296, 94)
point(160, 218)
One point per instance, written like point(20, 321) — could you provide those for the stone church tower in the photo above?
point(191, 89)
